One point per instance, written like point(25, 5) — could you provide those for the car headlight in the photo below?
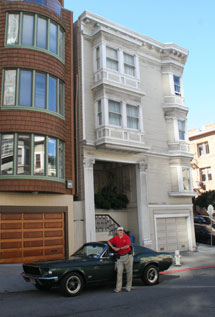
point(50, 272)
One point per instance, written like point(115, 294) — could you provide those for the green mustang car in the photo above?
point(94, 263)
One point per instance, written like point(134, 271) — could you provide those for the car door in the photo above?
point(100, 269)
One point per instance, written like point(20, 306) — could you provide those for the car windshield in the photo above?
point(93, 250)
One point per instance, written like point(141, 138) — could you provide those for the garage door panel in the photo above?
point(34, 216)
point(176, 234)
point(12, 216)
point(27, 237)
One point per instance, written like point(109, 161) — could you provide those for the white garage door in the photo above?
point(172, 234)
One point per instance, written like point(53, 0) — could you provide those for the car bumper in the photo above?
point(34, 279)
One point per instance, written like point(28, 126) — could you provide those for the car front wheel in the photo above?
point(71, 284)
point(151, 275)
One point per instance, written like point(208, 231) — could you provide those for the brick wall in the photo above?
point(34, 121)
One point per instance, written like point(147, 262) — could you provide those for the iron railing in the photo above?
point(105, 223)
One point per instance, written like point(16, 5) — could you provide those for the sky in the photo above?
point(187, 23)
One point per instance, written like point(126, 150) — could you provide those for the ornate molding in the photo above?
point(143, 165)
point(89, 162)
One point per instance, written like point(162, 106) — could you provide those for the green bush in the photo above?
point(109, 198)
point(205, 199)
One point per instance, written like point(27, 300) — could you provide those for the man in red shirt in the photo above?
point(122, 245)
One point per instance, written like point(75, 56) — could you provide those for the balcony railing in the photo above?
point(105, 223)
point(53, 5)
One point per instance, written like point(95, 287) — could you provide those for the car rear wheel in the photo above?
point(151, 275)
point(71, 284)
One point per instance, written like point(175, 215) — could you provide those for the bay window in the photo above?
point(186, 178)
point(31, 155)
point(23, 28)
point(181, 129)
point(35, 89)
point(177, 86)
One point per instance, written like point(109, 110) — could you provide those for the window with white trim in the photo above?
point(132, 116)
point(129, 64)
point(177, 85)
point(203, 148)
point(186, 178)
point(114, 109)
point(99, 112)
point(205, 174)
point(112, 58)
point(181, 129)
point(97, 57)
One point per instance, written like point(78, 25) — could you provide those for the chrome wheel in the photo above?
point(151, 275)
point(71, 284)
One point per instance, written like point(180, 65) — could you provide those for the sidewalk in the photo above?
point(11, 280)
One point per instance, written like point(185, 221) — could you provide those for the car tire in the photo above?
point(151, 275)
point(42, 287)
point(71, 284)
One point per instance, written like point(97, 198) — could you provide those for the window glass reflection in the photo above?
point(25, 88)
point(28, 30)
point(9, 88)
point(13, 29)
point(40, 90)
point(52, 93)
point(42, 33)
point(7, 154)
point(39, 155)
point(52, 168)
point(53, 38)
point(24, 155)
point(61, 159)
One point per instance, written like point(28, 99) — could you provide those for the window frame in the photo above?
point(130, 66)
point(177, 85)
point(208, 171)
point(60, 97)
point(133, 117)
point(60, 175)
point(180, 130)
point(111, 59)
point(60, 54)
point(119, 114)
point(205, 148)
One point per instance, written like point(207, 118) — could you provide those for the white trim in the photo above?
point(83, 87)
point(189, 223)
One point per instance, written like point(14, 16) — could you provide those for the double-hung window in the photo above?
point(205, 174)
point(132, 116)
point(203, 148)
point(181, 129)
point(177, 85)
point(129, 64)
point(112, 58)
point(114, 108)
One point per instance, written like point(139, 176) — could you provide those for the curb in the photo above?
point(188, 269)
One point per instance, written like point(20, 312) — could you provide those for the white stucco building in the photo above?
point(131, 124)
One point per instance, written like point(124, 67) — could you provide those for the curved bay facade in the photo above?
point(36, 130)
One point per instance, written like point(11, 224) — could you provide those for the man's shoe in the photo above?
point(117, 290)
point(128, 289)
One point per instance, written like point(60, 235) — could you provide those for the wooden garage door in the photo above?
point(172, 234)
point(26, 237)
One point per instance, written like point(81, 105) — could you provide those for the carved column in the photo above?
point(90, 225)
point(142, 204)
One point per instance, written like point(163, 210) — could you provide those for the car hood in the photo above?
point(73, 260)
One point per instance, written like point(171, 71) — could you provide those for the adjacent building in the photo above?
point(202, 146)
point(36, 130)
point(131, 135)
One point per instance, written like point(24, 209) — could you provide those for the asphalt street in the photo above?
point(187, 290)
